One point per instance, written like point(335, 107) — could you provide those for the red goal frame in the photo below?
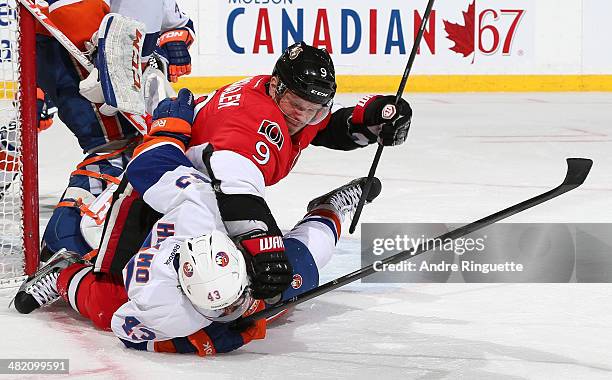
point(29, 139)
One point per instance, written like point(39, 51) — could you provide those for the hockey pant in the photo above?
point(309, 246)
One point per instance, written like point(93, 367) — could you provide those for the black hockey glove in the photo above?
point(378, 119)
point(268, 267)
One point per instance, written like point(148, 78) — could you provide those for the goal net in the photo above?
point(19, 234)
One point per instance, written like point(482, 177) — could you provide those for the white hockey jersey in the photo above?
point(157, 15)
point(157, 309)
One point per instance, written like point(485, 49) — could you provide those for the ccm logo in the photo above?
point(136, 58)
point(271, 242)
point(319, 93)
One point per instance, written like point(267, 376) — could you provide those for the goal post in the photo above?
point(19, 214)
point(29, 139)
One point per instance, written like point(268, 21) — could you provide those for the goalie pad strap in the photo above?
point(105, 177)
point(83, 208)
point(106, 156)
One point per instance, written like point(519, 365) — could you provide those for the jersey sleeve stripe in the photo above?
point(164, 346)
point(146, 169)
point(154, 142)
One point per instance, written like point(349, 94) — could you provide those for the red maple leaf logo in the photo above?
point(463, 35)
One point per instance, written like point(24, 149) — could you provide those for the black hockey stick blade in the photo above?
point(577, 172)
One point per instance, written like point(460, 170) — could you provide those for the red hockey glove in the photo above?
point(269, 268)
point(378, 119)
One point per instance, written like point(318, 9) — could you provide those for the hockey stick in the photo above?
point(577, 171)
point(136, 120)
point(398, 96)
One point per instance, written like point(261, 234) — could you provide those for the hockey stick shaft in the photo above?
point(136, 120)
point(398, 96)
point(577, 171)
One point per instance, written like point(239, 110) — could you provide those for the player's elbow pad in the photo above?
point(244, 213)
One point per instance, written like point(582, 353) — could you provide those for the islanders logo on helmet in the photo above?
point(187, 269)
point(297, 281)
point(222, 259)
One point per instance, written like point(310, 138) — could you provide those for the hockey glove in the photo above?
point(173, 47)
point(173, 118)
point(46, 110)
point(378, 119)
point(268, 267)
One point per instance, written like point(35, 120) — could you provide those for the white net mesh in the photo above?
point(11, 226)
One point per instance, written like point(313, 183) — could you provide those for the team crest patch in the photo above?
point(293, 54)
point(221, 259)
point(388, 112)
point(187, 270)
point(296, 283)
point(273, 133)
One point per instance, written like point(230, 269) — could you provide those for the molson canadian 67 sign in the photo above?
point(374, 37)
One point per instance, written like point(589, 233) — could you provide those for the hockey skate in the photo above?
point(41, 288)
point(344, 199)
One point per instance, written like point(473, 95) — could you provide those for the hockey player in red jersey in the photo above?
point(270, 119)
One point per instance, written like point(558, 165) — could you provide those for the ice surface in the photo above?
point(466, 156)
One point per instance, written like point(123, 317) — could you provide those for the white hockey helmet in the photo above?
point(213, 275)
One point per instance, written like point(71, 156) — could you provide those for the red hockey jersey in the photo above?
point(243, 118)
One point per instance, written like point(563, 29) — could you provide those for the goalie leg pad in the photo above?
point(64, 231)
point(85, 184)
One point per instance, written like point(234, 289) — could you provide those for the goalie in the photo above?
point(106, 137)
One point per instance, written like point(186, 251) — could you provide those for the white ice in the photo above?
point(467, 156)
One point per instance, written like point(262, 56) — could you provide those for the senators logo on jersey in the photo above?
point(273, 133)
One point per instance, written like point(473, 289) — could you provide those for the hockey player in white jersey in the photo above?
point(174, 295)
